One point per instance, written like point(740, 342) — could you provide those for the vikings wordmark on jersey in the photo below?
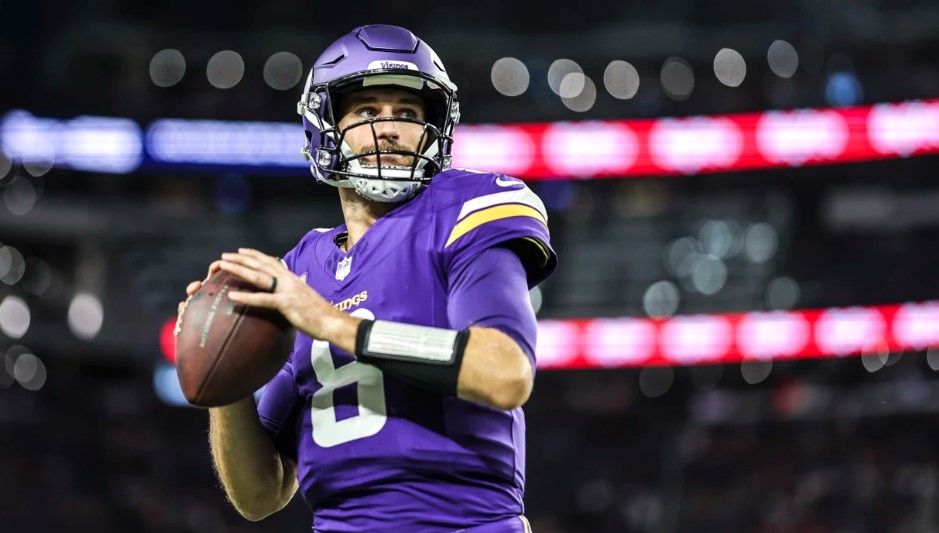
point(373, 450)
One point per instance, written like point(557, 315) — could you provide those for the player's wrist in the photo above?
point(339, 329)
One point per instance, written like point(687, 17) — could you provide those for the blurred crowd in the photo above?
point(98, 452)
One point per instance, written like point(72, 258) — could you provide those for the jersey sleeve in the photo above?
point(491, 291)
point(279, 410)
point(497, 210)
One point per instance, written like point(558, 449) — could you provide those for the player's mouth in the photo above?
point(387, 160)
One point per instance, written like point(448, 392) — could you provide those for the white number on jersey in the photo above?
point(327, 431)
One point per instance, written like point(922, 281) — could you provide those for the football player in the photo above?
point(400, 407)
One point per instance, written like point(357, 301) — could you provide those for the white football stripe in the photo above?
point(517, 196)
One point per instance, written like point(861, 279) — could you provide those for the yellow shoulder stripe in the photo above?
point(490, 214)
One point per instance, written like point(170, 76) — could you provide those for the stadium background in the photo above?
point(764, 278)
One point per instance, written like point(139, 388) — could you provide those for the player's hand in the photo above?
point(191, 289)
point(281, 289)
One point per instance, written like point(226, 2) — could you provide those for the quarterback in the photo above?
point(400, 407)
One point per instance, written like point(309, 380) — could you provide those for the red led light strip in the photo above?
point(729, 338)
point(675, 146)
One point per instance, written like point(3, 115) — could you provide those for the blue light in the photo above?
point(843, 89)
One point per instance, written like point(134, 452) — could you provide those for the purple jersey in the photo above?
point(375, 453)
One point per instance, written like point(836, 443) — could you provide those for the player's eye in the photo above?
point(366, 112)
point(408, 113)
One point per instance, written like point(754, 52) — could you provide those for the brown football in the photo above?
point(226, 351)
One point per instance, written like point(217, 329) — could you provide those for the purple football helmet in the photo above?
point(372, 57)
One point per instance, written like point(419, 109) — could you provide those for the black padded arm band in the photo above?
point(430, 358)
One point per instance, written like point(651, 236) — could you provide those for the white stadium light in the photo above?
point(677, 78)
point(903, 128)
point(843, 331)
point(795, 137)
point(688, 145)
point(14, 317)
point(217, 142)
point(558, 343)
point(782, 58)
point(167, 67)
point(621, 80)
point(588, 148)
point(225, 69)
point(85, 316)
point(616, 342)
point(506, 149)
point(510, 76)
point(767, 335)
point(282, 71)
point(730, 67)
point(102, 144)
point(695, 338)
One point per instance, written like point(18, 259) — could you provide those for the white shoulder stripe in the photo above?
point(515, 196)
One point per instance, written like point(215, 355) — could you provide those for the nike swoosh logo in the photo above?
point(507, 183)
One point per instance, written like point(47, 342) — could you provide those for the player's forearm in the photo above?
point(495, 370)
point(256, 478)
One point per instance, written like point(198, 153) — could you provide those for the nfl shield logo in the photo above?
point(343, 268)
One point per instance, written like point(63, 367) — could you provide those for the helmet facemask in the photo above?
point(334, 161)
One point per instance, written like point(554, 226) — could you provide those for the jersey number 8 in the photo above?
point(373, 413)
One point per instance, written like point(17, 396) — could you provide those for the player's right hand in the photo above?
point(191, 289)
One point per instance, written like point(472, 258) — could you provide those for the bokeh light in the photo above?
point(655, 381)
point(709, 274)
point(19, 196)
point(39, 165)
point(572, 85)
point(932, 358)
point(85, 316)
point(621, 79)
point(6, 162)
point(167, 67)
point(559, 70)
point(721, 238)
point(782, 293)
point(12, 265)
point(677, 78)
point(225, 69)
point(843, 89)
point(875, 360)
point(282, 71)
point(661, 299)
point(510, 76)
point(730, 67)
point(536, 298)
point(14, 317)
point(755, 372)
point(782, 58)
point(584, 100)
point(29, 371)
point(676, 259)
point(760, 242)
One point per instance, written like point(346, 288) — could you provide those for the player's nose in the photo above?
point(386, 129)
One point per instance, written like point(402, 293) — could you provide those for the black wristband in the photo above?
point(437, 375)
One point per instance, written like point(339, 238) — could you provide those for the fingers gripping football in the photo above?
point(299, 303)
point(191, 289)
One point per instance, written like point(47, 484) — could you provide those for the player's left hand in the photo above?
point(286, 292)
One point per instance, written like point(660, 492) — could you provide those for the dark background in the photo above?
point(94, 449)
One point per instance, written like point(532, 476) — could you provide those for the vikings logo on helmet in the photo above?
point(373, 56)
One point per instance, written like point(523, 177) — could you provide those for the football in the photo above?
point(226, 351)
